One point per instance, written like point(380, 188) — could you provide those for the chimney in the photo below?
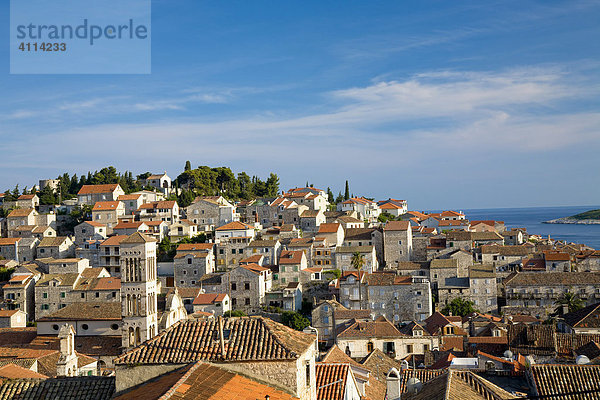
point(392, 382)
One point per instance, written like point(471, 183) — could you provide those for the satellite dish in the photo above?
point(582, 360)
point(508, 354)
point(414, 385)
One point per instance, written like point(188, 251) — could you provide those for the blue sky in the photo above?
point(446, 104)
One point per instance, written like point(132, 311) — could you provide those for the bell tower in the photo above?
point(138, 289)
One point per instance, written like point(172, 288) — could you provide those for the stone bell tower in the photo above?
point(138, 289)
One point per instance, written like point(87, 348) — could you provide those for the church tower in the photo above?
point(138, 289)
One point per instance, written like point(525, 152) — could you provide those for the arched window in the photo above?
point(348, 352)
point(138, 336)
point(131, 339)
point(370, 347)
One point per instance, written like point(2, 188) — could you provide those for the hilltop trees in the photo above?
point(206, 181)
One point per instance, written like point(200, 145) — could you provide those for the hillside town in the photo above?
point(122, 287)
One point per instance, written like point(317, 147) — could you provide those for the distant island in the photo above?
point(586, 218)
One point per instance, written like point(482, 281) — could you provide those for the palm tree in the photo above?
point(358, 262)
point(571, 300)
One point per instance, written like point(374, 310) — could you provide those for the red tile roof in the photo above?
point(332, 380)
point(12, 371)
point(106, 205)
point(209, 298)
point(114, 240)
point(234, 226)
point(397, 226)
point(329, 228)
point(195, 247)
point(95, 189)
point(291, 257)
point(250, 339)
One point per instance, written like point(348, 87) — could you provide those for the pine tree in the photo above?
point(330, 198)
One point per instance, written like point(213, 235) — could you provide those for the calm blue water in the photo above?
point(532, 218)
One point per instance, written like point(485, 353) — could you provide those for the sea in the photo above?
point(532, 218)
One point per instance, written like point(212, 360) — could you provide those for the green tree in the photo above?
point(339, 198)
point(347, 191)
point(235, 313)
point(459, 307)
point(47, 196)
point(358, 263)
point(330, 198)
point(272, 185)
point(188, 166)
point(294, 320)
point(571, 300)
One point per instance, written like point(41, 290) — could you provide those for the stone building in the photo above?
point(344, 255)
point(310, 220)
point(279, 354)
point(110, 254)
point(332, 233)
point(56, 291)
point(108, 213)
point(164, 210)
point(91, 194)
point(214, 303)
point(365, 237)
point(191, 262)
point(19, 294)
point(211, 212)
point(535, 293)
point(397, 242)
point(363, 337)
point(89, 230)
point(270, 249)
point(57, 247)
point(138, 289)
point(291, 262)
point(483, 289)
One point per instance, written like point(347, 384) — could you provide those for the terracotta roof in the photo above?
point(344, 313)
point(290, 257)
point(209, 298)
point(532, 339)
point(20, 212)
point(125, 197)
point(255, 268)
point(556, 256)
point(370, 330)
point(387, 279)
point(252, 259)
point(234, 226)
point(8, 241)
point(114, 240)
point(380, 363)
point(106, 205)
point(7, 313)
point(390, 206)
point(443, 263)
point(52, 241)
point(194, 254)
point(554, 279)
point(94, 223)
point(250, 338)
point(454, 222)
point(95, 189)
point(464, 385)
point(201, 381)
point(12, 371)
point(89, 311)
point(195, 246)
point(437, 320)
point(80, 388)
point(128, 225)
point(138, 237)
point(566, 381)
point(397, 226)
point(263, 243)
point(332, 380)
point(26, 197)
point(587, 317)
point(159, 204)
point(329, 227)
